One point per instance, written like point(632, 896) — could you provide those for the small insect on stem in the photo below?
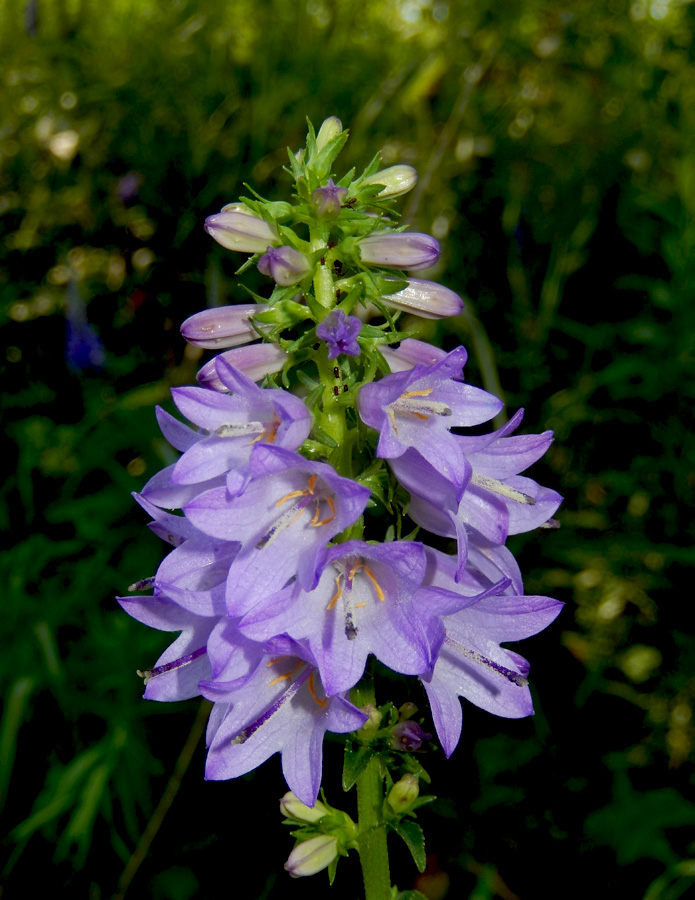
point(336, 390)
point(351, 202)
point(336, 372)
point(323, 260)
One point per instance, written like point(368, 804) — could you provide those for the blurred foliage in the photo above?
point(555, 149)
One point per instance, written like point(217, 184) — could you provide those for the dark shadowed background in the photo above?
point(556, 150)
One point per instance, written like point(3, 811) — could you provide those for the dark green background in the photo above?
point(556, 150)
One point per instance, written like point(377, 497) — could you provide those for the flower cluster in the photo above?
point(288, 568)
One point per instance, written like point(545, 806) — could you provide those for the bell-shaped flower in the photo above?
point(255, 361)
point(328, 199)
point(194, 574)
point(284, 265)
point(340, 332)
point(403, 250)
point(241, 231)
point(283, 515)
point(235, 423)
point(222, 326)
point(184, 663)
point(417, 408)
point(471, 662)
point(495, 501)
point(364, 603)
point(426, 299)
point(397, 180)
point(280, 708)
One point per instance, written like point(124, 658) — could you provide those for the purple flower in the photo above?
point(178, 670)
point(495, 500)
point(471, 662)
point(340, 333)
point(328, 199)
point(240, 231)
point(84, 350)
point(280, 708)
point(255, 361)
point(222, 326)
point(426, 299)
point(412, 352)
point(364, 603)
point(417, 408)
point(284, 265)
point(408, 737)
point(404, 250)
point(283, 516)
point(235, 423)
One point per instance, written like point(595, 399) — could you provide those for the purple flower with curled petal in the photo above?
point(222, 326)
point(408, 737)
point(240, 231)
point(426, 299)
point(235, 423)
point(178, 670)
point(495, 501)
point(417, 408)
point(255, 361)
point(402, 250)
point(340, 333)
point(284, 265)
point(412, 352)
point(283, 515)
point(364, 602)
point(280, 708)
point(327, 200)
point(471, 662)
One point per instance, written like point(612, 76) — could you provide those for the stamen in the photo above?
point(499, 487)
point(143, 585)
point(312, 483)
point(310, 685)
point(338, 593)
point(370, 575)
point(409, 394)
point(551, 523)
point(270, 433)
point(231, 430)
point(351, 574)
point(149, 674)
point(330, 502)
point(474, 656)
point(287, 675)
point(291, 496)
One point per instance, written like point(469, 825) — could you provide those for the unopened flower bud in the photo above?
point(408, 736)
point(328, 199)
point(373, 723)
point(403, 250)
point(425, 298)
point(255, 361)
point(240, 230)
point(412, 353)
point(403, 794)
point(222, 326)
point(408, 709)
point(397, 180)
point(312, 856)
point(329, 129)
point(293, 808)
point(284, 265)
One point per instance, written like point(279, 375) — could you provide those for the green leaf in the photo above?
point(410, 895)
point(414, 838)
point(355, 762)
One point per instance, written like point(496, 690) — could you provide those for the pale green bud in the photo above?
point(397, 180)
point(312, 856)
point(330, 129)
point(293, 808)
point(403, 794)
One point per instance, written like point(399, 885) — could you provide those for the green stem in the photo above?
point(374, 856)
point(323, 278)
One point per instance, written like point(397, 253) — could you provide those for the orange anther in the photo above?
point(315, 521)
point(368, 572)
point(338, 593)
point(310, 683)
point(409, 394)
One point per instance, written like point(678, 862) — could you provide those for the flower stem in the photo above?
point(374, 856)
